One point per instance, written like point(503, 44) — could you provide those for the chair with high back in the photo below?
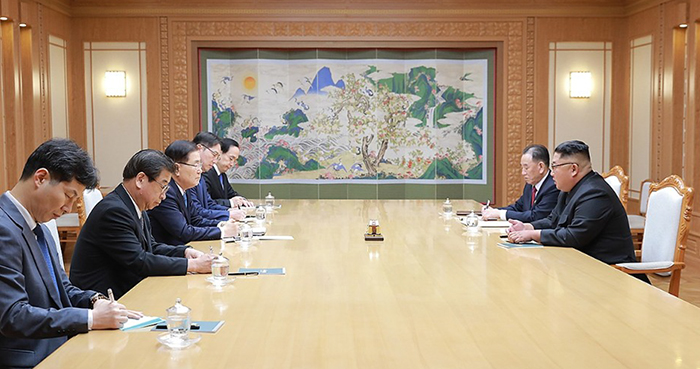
point(69, 225)
point(619, 182)
point(665, 231)
point(637, 221)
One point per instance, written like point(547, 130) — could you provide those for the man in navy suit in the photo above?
point(539, 195)
point(39, 307)
point(174, 221)
point(115, 249)
point(209, 147)
point(217, 182)
point(588, 216)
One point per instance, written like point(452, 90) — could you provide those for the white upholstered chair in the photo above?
point(665, 231)
point(51, 225)
point(619, 182)
point(637, 221)
point(69, 225)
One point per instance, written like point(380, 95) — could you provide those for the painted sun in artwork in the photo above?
point(249, 82)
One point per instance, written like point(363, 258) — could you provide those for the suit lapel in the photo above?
point(34, 250)
point(126, 199)
point(175, 192)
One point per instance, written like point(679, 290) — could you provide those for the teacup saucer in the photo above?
point(177, 344)
point(219, 283)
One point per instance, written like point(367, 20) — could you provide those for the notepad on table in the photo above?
point(526, 245)
point(199, 326)
point(267, 271)
point(146, 321)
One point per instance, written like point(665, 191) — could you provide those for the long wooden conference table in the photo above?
point(429, 296)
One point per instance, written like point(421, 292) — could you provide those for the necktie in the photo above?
point(184, 196)
point(534, 193)
point(41, 240)
point(222, 180)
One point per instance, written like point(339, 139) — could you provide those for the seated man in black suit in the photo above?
point(588, 216)
point(39, 307)
point(218, 185)
point(115, 248)
point(175, 221)
point(539, 195)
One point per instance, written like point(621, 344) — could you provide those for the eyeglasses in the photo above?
point(197, 165)
point(553, 166)
point(163, 188)
point(215, 153)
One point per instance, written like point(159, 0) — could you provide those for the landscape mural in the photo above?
point(379, 120)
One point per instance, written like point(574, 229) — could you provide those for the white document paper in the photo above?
point(269, 238)
point(494, 224)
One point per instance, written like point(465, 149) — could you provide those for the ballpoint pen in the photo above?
point(110, 294)
point(244, 273)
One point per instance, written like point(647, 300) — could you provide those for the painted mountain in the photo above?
point(323, 79)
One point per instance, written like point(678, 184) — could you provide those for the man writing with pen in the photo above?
point(39, 307)
point(539, 194)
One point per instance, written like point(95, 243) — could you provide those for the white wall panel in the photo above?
point(586, 119)
point(109, 118)
point(58, 86)
point(641, 94)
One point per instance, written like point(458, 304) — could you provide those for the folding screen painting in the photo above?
point(351, 119)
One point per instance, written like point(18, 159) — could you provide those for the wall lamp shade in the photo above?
point(115, 83)
point(580, 85)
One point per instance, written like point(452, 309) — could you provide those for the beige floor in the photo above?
point(690, 281)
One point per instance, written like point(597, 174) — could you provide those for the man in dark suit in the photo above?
point(39, 307)
point(209, 147)
point(115, 248)
point(174, 221)
point(217, 182)
point(588, 216)
point(539, 195)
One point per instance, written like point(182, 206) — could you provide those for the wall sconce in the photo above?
point(3, 19)
point(580, 85)
point(115, 83)
point(682, 14)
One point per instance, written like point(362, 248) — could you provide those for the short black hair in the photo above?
point(227, 144)
point(150, 162)
point(64, 160)
point(539, 153)
point(207, 139)
point(573, 148)
point(179, 150)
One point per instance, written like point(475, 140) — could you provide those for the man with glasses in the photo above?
point(539, 195)
point(209, 147)
point(115, 248)
point(173, 221)
point(588, 216)
point(39, 308)
point(218, 185)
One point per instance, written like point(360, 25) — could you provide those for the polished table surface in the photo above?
point(429, 296)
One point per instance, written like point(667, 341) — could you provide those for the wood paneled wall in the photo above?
point(172, 31)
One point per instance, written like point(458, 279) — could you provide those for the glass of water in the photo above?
point(260, 214)
point(219, 269)
point(178, 320)
point(472, 222)
point(245, 232)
